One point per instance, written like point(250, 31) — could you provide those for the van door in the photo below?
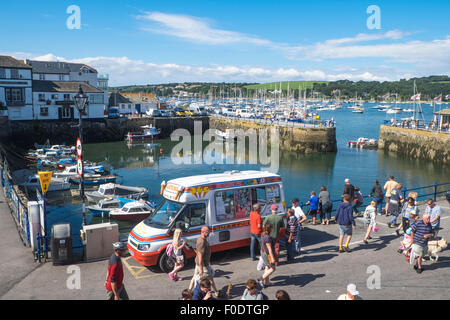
point(193, 217)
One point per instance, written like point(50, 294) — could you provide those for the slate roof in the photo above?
point(10, 62)
point(55, 67)
point(115, 98)
point(63, 86)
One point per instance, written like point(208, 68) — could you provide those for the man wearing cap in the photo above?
point(301, 217)
point(352, 293)
point(277, 222)
point(115, 289)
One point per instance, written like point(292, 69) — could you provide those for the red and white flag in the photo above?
point(416, 97)
point(387, 95)
point(438, 98)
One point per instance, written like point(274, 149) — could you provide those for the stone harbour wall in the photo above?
point(292, 138)
point(420, 144)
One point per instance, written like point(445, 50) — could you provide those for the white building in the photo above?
point(66, 71)
point(53, 100)
point(16, 100)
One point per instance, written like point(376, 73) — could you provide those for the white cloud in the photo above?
point(126, 71)
point(196, 29)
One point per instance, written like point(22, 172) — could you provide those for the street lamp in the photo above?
point(80, 100)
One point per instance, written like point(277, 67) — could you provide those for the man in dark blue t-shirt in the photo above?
point(421, 231)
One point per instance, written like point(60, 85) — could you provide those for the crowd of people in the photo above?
point(268, 233)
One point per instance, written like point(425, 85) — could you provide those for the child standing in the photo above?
point(370, 219)
point(313, 206)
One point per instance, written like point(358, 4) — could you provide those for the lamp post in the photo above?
point(80, 100)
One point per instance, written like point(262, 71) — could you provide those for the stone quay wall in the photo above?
point(292, 138)
point(421, 144)
point(101, 130)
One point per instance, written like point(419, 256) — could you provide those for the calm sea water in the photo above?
point(146, 166)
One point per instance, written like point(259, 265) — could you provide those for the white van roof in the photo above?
point(228, 176)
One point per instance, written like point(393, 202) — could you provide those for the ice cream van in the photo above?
point(220, 201)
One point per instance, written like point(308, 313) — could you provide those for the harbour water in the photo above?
point(149, 165)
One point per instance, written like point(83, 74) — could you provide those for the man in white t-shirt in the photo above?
point(301, 217)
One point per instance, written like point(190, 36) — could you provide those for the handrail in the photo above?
point(404, 192)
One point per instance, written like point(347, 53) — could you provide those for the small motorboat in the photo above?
point(149, 133)
point(56, 184)
point(94, 179)
point(71, 171)
point(358, 110)
point(132, 211)
point(116, 190)
point(364, 143)
point(104, 206)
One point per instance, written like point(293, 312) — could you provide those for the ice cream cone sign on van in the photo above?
point(220, 201)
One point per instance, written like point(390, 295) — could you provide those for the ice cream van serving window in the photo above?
point(237, 203)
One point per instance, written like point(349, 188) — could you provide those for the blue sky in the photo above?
point(140, 42)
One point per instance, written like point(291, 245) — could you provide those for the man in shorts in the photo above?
point(421, 232)
point(344, 217)
point(202, 261)
point(388, 187)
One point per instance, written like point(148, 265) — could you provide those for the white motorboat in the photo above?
point(56, 184)
point(132, 211)
point(117, 190)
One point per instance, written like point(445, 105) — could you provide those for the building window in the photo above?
point(14, 95)
point(66, 97)
point(54, 96)
point(61, 77)
point(41, 76)
point(14, 74)
point(44, 111)
point(2, 73)
point(41, 97)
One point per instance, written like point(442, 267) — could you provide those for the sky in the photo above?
point(151, 42)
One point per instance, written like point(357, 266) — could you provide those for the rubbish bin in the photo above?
point(61, 244)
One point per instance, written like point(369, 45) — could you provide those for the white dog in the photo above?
point(434, 247)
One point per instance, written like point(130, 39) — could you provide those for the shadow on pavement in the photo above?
point(311, 236)
point(299, 280)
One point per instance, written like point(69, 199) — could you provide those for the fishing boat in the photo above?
point(132, 211)
point(148, 133)
point(104, 206)
point(364, 143)
point(117, 190)
point(94, 179)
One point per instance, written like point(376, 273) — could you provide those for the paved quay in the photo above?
point(319, 273)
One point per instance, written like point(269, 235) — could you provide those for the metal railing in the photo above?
point(313, 123)
point(420, 126)
point(18, 210)
point(429, 192)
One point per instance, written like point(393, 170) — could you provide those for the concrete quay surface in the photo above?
point(319, 273)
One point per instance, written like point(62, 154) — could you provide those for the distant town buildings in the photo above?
point(131, 103)
point(44, 90)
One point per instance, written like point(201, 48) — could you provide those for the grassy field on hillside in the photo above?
point(293, 85)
